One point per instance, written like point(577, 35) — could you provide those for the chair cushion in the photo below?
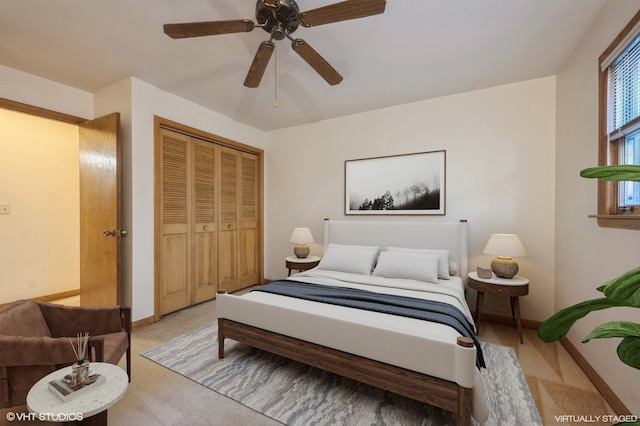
point(23, 318)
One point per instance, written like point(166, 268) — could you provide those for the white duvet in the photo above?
point(417, 345)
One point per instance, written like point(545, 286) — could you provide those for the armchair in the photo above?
point(34, 341)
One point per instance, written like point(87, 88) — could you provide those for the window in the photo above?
point(619, 140)
point(629, 192)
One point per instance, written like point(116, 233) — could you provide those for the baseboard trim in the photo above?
point(607, 393)
point(51, 297)
point(58, 296)
point(142, 323)
point(501, 319)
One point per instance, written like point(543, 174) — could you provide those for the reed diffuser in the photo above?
point(80, 369)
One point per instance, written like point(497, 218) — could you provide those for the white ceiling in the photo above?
point(416, 50)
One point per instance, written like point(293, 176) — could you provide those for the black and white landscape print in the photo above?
point(399, 184)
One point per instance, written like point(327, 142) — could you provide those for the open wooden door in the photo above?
point(100, 214)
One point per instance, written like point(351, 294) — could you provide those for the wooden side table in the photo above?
point(301, 264)
point(514, 288)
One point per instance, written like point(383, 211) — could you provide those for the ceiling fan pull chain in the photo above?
point(275, 79)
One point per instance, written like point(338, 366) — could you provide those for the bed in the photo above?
point(430, 360)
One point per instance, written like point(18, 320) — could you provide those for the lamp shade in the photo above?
point(505, 245)
point(301, 235)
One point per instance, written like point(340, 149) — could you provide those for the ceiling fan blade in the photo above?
point(316, 61)
point(199, 29)
point(259, 64)
point(349, 9)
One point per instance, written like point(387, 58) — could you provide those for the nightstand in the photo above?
point(514, 288)
point(302, 264)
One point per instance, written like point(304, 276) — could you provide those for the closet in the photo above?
point(208, 213)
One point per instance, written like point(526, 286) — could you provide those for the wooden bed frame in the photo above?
point(430, 390)
point(444, 394)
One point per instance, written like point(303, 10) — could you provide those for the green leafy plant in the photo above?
point(621, 291)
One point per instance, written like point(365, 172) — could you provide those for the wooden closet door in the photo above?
point(229, 218)
point(249, 234)
point(205, 236)
point(175, 247)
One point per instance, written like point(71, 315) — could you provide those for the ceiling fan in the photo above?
point(280, 18)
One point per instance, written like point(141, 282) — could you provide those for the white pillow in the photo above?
point(353, 259)
point(443, 263)
point(413, 266)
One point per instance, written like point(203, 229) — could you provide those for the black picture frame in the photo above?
point(405, 184)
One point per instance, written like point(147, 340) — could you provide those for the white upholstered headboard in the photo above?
point(450, 236)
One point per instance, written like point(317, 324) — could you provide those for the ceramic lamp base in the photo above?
point(301, 250)
point(504, 267)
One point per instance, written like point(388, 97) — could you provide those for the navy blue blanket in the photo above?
point(428, 310)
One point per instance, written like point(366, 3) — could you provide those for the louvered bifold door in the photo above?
point(229, 217)
point(204, 237)
point(174, 270)
point(248, 256)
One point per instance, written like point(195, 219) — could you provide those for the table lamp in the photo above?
point(301, 236)
point(505, 246)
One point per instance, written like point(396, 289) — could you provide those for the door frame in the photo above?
point(158, 124)
point(41, 112)
point(52, 115)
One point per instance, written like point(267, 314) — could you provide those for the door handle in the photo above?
point(114, 233)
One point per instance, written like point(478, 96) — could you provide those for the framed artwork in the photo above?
point(396, 185)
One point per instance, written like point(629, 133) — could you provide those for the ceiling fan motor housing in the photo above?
point(280, 20)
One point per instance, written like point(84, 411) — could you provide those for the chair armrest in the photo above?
point(23, 351)
point(125, 319)
point(96, 349)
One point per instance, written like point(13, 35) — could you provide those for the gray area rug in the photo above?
point(296, 394)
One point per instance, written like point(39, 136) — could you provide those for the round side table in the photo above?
point(301, 264)
point(91, 405)
point(513, 287)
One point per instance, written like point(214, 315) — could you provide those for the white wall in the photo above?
point(588, 255)
point(33, 90)
point(40, 238)
point(499, 144)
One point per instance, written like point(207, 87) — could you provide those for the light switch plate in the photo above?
point(5, 208)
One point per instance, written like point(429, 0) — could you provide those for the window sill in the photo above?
point(624, 221)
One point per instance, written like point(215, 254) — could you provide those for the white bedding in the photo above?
point(428, 348)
